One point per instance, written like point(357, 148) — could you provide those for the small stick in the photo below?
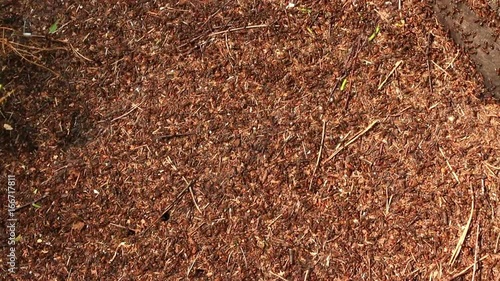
point(476, 250)
point(177, 198)
point(33, 62)
point(244, 257)
point(306, 275)
point(319, 154)
point(389, 75)
point(449, 166)
point(453, 60)
point(491, 166)
point(169, 207)
point(430, 38)
point(275, 219)
point(196, 229)
point(79, 54)
point(456, 252)
point(359, 134)
point(124, 244)
point(123, 227)
point(30, 203)
point(4, 98)
point(134, 107)
point(330, 98)
point(467, 268)
point(172, 136)
point(440, 68)
point(76, 182)
point(492, 173)
point(237, 29)
point(191, 266)
point(278, 276)
point(496, 244)
point(192, 195)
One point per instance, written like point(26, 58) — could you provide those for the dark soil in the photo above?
point(247, 140)
point(478, 35)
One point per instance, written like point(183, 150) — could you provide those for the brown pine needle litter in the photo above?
point(247, 99)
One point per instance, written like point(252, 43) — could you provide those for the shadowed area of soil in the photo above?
point(474, 34)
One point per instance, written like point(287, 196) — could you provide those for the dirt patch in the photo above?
point(260, 140)
point(476, 37)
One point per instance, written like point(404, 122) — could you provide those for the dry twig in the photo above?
point(319, 154)
point(389, 75)
point(237, 29)
point(26, 52)
point(456, 252)
point(353, 139)
point(30, 203)
point(465, 270)
point(449, 166)
point(5, 97)
point(122, 244)
point(192, 195)
point(476, 250)
point(278, 276)
point(134, 107)
point(170, 206)
point(430, 38)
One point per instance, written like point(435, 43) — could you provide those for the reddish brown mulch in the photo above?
point(181, 141)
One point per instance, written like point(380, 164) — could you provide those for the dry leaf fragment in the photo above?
point(7, 127)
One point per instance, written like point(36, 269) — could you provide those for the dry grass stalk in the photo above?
point(237, 29)
point(122, 244)
point(5, 97)
point(32, 53)
point(449, 166)
point(192, 195)
point(476, 250)
point(496, 243)
point(458, 248)
point(359, 134)
point(389, 75)
point(319, 154)
point(134, 107)
point(465, 270)
point(277, 275)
